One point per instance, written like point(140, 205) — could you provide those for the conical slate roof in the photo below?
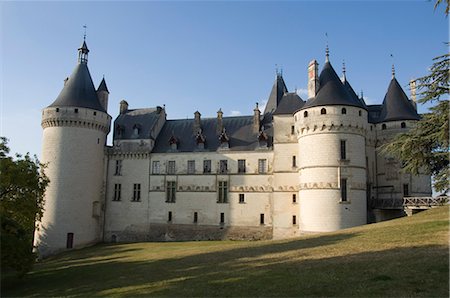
point(278, 90)
point(79, 91)
point(353, 93)
point(331, 91)
point(102, 86)
point(396, 105)
point(290, 102)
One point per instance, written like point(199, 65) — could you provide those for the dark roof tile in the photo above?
point(396, 105)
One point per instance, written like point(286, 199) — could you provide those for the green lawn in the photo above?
point(403, 257)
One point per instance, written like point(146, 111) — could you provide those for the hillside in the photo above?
point(403, 257)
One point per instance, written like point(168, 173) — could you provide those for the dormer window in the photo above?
point(323, 111)
point(173, 142)
point(224, 140)
point(136, 130)
point(200, 139)
point(120, 130)
point(262, 139)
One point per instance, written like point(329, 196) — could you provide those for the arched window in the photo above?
point(383, 127)
point(136, 130)
point(305, 114)
point(323, 111)
point(344, 111)
point(403, 125)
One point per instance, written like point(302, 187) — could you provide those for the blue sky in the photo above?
point(204, 55)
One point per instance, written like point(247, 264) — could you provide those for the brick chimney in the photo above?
point(313, 78)
point(197, 122)
point(219, 121)
point(123, 107)
point(412, 86)
point(256, 119)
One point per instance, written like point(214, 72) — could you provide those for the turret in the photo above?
point(75, 127)
point(103, 94)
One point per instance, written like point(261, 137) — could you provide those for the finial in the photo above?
point(84, 37)
point(393, 67)
point(257, 104)
point(327, 50)
point(362, 94)
point(343, 69)
point(277, 70)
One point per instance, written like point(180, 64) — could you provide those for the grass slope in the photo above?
point(403, 257)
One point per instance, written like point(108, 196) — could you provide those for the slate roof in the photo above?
point(353, 94)
point(290, 102)
point(145, 119)
point(374, 113)
point(79, 91)
point(102, 86)
point(238, 129)
point(277, 92)
point(331, 91)
point(396, 105)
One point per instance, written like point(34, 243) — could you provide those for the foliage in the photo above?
point(406, 257)
point(22, 187)
point(439, 2)
point(424, 149)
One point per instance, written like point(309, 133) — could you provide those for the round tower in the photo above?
point(331, 129)
point(75, 127)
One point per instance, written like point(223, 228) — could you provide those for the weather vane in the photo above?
point(84, 37)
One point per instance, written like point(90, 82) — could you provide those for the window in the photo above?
point(171, 167)
point(241, 198)
point(171, 191)
point(294, 198)
point(262, 166)
point(57, 109)
point(383, 127)
point(69, 242)
point(156, 167)
point(117, 191)
point(305, 114)
point(359, 113)
point(222, 218)
point(136, 192)
point(223, 166)
point(344, 111)
point(292, 129)
point(294, 219)
point(343, 150)
point(405, 190)
point(403, 125)
point(207, 166)
point(95, 113)
point(323, 111)
point(223, 192)
point(76, 110)
point(344, 189)
point(195, 217)
point(169, 216)
point(261, 218)
point(294, 161)
point(118, 171)
point(191, 167)
point(241, 165)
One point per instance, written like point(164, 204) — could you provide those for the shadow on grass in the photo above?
point(263, 269)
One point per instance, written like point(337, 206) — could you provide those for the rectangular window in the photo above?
point(262, 166)
point(294, 198)
point(223, 192)
point(223, 166)
point(118, 170)
point(344, 189)
point(241, 165)
point(191, 167)
point(343, 150)
point(117, 191)
point(136, 192)
point(241, 198)
point(69, 242)
point(294, 219)
point(169, 216)
point(171, 191)
point(292, 129)
point(195, 217)
point(207, 166)
point(405, 190)
point(261, 218)
point(156, 167)
point(222, 218)
point(171, 167)
point(294, 161)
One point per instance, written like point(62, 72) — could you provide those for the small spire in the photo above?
point(327, 50)
point(362, 94)
point(343, 70)
point(84, 37)
point(393, 66)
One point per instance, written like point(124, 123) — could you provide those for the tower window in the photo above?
point(294, 219)
point(76, 110)
point(294, 161)
point(305, 114)
point(344, 111)
point(117, 191)
point(343, 150)
point(118, 170)
point(95, 113)
point(223, 192)
point(69, 242)
point(136, 192)
point(294, 198)
point(323, 111)
point(403, 125)
point(222, 218)
point(261, 218)
point(241, 198)
point(359, 113)
point(406, 190)
point(344, 189)
point(292, 129)
point(195, 217)
point(383, 127)
point(57, 109)
point(169, 216)
point(171, 191)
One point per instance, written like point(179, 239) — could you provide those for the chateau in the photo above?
point(299, 166)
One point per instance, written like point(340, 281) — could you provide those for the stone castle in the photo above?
point(299, 166)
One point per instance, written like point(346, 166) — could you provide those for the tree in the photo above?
point(424, 149)
point(22, 188)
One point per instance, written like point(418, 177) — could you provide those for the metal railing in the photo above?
point(417, 202)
